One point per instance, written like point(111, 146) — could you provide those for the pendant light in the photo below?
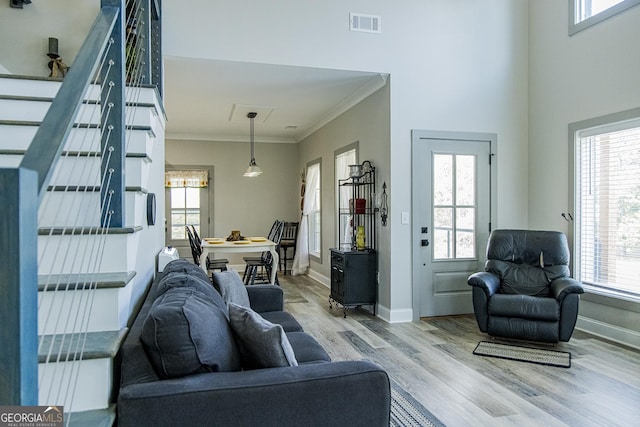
point(253, 169)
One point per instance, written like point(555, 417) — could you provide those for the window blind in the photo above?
point(609, 207)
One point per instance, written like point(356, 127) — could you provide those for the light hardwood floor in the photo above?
point(433, 360)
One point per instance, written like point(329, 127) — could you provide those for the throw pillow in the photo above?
point(186, 333)
point(230, 285)
point(262, 344)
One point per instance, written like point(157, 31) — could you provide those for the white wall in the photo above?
point(573, 78)
point(368, 124)
point(151, 238)
point(454, 66)
point(239, 203)
point(26, 33)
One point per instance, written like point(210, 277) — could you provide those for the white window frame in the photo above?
point(576, 6)
point(338, 175)
point(315, 216)
point(591, 127)
point(206, 207)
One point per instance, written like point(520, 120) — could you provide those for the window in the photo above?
point(607, 203)
point(186, 202)
point(454, 206)
point(313, 190)
point(585, 13)
point(343, 158)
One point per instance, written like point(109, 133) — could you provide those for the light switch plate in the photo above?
point(405, 217)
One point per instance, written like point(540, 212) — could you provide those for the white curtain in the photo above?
point(301, 258)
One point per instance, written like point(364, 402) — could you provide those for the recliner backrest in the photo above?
point(527, 261)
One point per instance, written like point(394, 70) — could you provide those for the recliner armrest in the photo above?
point(563, 286)
point(489, 282)
point(265, 298)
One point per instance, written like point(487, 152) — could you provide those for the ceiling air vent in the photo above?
point(364, 23)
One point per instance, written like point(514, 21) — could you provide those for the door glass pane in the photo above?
point(454, 227)
point(443, 233)
point(442, 179)
point(465, 180)
point(465, 232)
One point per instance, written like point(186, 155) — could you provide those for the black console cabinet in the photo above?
point(353, 279)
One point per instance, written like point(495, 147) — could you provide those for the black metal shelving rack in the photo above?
point(353, 270)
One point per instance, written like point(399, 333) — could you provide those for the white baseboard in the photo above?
point(403, 315)
point(608, 331)
point(320, 278)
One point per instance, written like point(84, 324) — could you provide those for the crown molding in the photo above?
point(228, 138)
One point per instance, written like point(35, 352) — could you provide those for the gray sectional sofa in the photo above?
point(195, 355)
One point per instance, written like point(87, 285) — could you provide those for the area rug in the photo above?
point(408, 412)
point(540, 356)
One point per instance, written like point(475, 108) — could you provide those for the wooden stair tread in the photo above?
point(77, 125)
point(63, 282)
point(97, 345)
point(86, 231)
point(94, 418)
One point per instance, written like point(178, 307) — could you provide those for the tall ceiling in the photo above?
point(209, 99)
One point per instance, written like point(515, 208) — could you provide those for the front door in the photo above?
point(451, 218)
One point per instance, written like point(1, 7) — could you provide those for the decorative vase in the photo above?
point(360, 238)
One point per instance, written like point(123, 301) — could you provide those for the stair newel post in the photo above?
point(113, 124)
point(144, 50)
point(19, 287)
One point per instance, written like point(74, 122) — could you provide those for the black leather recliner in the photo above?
point(526, 291)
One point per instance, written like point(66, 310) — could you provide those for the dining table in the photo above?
point(211, 245)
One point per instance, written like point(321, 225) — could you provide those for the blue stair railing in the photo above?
point(122, 50)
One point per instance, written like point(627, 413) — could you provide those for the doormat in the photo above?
point(540, 356)
point(408, 412)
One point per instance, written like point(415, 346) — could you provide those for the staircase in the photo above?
point(123, 270)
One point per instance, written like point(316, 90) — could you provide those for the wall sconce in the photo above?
point(384, 205)
point(58, 68)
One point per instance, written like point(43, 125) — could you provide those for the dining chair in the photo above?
point(289, 237)
point(211, 264)
point(196, 251)
point(270, 236)
point(264, 261)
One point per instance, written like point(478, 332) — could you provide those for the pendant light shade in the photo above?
point(253, 169)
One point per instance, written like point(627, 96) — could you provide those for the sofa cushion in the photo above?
point(186, 280)
point(262, 343)
point(186, 333)
point(306, 348)
point(524, 307)
point(284, 319)
point(230, 285)
point(183, 266)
